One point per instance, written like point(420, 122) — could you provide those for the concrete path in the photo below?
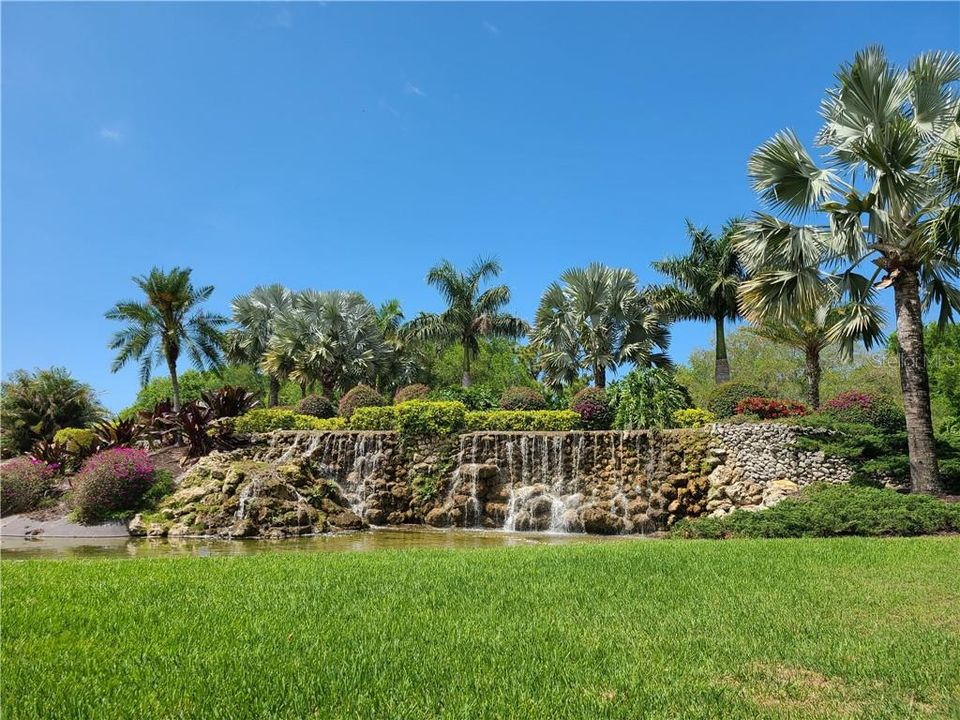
point(25, 526)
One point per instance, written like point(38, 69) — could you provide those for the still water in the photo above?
point(16, 548)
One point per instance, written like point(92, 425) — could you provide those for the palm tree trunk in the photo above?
point(273, 397)
point(599, 376)
point(303, 390)
point(466, 380)
point(813, 377)
point(924, 474)
point(721, 372)
point(174, 381)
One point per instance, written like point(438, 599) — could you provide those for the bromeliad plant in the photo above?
point(890, 192)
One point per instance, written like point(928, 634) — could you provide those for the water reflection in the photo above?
point(15, 548)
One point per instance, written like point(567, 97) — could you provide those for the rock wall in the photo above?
point(294, 483)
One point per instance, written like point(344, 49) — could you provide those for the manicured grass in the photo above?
point(858, 628)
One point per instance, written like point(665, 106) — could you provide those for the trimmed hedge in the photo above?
point(522, 398)
point(522, 420)
point(270, 419)
point(416, 391)
point(374, 418)
point(594, 408)
point(723, 399)
point(419, 418)
point(360, 396)
point(823, 510)
point(316, 405)
point(693, 418)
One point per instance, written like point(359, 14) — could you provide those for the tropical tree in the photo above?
point(470, 314)
point(889, 189)
point(332, 338)
point(37, 404)
point(170, 322)
point(595, 319)
point(705, 283)
point(809, 332)
point(256, 315)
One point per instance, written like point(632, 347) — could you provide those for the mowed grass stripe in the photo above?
point(741, 629)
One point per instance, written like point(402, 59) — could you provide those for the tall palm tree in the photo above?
point(332, 338)
point(256, 315)
point(705, 283)
point(470, 314)
point(890, 192)
point(595, 319)
point(167, 324)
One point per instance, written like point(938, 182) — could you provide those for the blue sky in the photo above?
point(352, 145)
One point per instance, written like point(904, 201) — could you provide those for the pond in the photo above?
point(18, 548)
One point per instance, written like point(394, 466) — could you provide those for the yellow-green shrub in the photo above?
point(76, 439)
point(693, 418)
point(421, 417)
point(522, 420)
point(374, 418)
point(269, 419)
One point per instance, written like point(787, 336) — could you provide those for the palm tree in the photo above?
point(169, 322)
point(810, 333)
point(470, 314)
point(594, 319)
point(332, 338)
point(705, 283)
point(890, 192)
point(256, 314)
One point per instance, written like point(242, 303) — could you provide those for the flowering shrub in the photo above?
point(317, 406)
point(24, 482)
point(693, 418)
point(770, 408)
point(417, 391)
point(112, 481)
point(360, 396)
point(723, 399)
point(522, 398)
point(854, 406)
point(594, 409)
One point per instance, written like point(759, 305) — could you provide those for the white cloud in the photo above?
point(491, 28)
point(410, 89)
point(111, 133)
point(389, 108)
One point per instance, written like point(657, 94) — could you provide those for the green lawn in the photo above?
point(672, 629)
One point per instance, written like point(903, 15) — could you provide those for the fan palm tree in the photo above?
point(705, 283)
point(809, 332)
point(594, 319)
point(332, 338)
point(256, 315)
point(470, 314)
point(168, 323)
point(890, 192)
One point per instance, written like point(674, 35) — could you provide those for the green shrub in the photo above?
point(416, 391)
point(594, 409)
point(360, 396)
point(475, 397)
point(418, 418)
point(770, 408)
point(269, 419)
point(522, 398)
point(112, 482)
point(77, 440)
point(823, 510)
point(647, 398)
point(855, 406)
point(374, 418)
point(724, 398)
point(24, 483)
point(522, 420)
point(693, 418)
point(317, 406)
